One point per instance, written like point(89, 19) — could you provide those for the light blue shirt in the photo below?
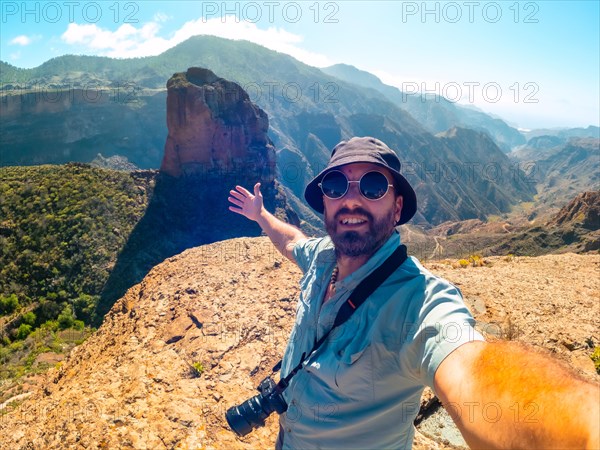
point(362, 388)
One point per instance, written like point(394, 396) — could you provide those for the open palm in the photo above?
point(245, 203)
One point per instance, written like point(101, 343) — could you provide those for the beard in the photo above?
point(353, 243)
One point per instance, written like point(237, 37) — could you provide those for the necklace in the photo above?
point(334, 277)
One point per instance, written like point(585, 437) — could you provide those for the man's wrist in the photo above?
point(263, 217)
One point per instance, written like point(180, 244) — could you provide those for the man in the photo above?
point(361, 388)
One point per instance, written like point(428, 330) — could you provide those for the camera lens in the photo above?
point(243, 418)
point(253, 412)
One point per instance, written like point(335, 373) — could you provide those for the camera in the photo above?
point(252, 413)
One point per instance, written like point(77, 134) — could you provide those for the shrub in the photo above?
point(198, 368)
point(596, 358)
point(463, 263)
point(29, 318)
point(48, 310)
point(51, 325)
point(476, 260)
point(9, 304)
point(23, 331)
point(85, 307)
point(65, 318)
point(16, 346)
point(4, 354)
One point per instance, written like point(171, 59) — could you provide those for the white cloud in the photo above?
point(130, 42)
point(161, 17)
point(15, 55)
point(25, 40)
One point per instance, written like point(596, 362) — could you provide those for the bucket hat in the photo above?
point(365, 150)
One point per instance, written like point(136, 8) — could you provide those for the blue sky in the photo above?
point(533, 63)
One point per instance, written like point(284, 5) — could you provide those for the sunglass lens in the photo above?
point(334, 184)
point(373, 185)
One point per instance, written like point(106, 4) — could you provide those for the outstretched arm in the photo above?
point(283, 235)
point(504, 396)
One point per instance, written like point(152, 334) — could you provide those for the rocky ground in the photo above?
point(203, 328)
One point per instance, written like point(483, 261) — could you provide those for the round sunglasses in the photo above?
point(372, 185)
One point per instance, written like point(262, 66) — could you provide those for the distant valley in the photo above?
point(73, 108)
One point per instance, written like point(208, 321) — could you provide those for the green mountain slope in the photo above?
point(61, 229)
point(309, 112)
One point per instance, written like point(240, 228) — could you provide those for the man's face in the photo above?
point(358, 226)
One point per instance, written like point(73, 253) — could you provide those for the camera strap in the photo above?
point(364, 289)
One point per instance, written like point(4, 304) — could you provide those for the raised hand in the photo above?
point(245, 203)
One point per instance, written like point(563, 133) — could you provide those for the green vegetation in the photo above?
point(9, 304)
point(494, 218)
point(198, 368)
point(473, 260)
point(477, 260)
point(61, 229)
point(33, 355)
point(596, 358)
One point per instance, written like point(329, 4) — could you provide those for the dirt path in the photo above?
point(438, 250)
point(14, 399)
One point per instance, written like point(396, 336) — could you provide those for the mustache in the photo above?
point(358, 211)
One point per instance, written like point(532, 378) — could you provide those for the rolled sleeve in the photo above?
point(445, 324)
point(305, 251)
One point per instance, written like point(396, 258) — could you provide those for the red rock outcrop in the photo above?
point(217, 139)
point(213, 126)
point(583, 209)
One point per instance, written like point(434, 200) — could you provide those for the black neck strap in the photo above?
point(364, 289)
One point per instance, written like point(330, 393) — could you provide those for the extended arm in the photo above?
point(504, 396)
point(283, 235)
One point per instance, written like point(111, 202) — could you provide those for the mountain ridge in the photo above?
point(302, 130)
point(132, 70)
point(437, 114)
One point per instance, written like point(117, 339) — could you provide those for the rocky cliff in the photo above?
point(217, 140)
point(48, 124)
point(583, 210)
point(213, 125)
